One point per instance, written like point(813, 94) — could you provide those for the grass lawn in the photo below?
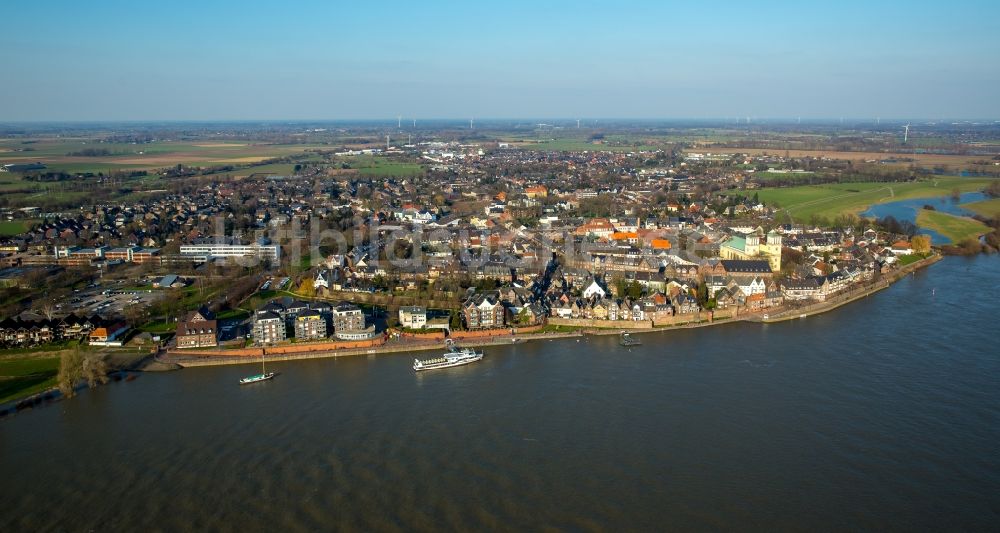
point(830, 200)
point(987, 208)
point(262, 297)
point(159, 327)
point(26, 376)
point(957, 229)
point(10, 228)
point(552, 328)
point(767, 176)
point(910, 259)
point(230, 314)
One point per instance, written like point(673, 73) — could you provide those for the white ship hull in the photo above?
point(449, 360)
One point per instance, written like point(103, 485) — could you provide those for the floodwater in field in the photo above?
point(882, 415)
point(908, 209)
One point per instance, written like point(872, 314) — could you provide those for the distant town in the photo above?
point(323, 240)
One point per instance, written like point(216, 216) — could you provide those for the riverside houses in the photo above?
point(268, 328)
point(349, 322)
point(198, 330)
point(414, 317)
point(310, 325)
point(483, 311)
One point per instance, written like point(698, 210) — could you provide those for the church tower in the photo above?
point(773, 250)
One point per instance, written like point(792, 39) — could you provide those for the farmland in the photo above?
point(899, 159)
point(55, 154)
point(380, 166)
point(582, 145)
point(955, 228)
point(803, 202)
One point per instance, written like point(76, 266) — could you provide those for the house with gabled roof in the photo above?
point(198, 330)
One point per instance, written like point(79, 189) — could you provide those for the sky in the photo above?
point(242, 60)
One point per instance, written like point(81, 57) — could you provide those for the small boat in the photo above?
point(453, 357)
point(263, 376)
point(628, 340)
point(254, 379)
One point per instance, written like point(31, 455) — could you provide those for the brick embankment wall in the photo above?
point(482, 333)
point(289, 349)
point(597, 323)
point(429, 335)
point(854, 293)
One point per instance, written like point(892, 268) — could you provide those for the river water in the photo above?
point(883, 415)
point(908, 209)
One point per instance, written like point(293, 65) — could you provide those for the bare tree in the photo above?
point(48, 309)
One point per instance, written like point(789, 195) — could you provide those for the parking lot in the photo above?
point(108, 299)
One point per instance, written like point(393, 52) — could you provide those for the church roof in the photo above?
point(736, 242)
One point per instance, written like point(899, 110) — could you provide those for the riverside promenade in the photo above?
point(851, 295)
point(416, 345)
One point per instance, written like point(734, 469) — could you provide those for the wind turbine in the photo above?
point(906, 132)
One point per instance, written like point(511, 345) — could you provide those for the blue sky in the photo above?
point(163, 60)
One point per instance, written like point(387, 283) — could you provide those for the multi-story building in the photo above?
point(132, 254)
point(483, 311)
point(212, 248)
point(268, 328)
point(310, 325)
point(414, 317)
point(348, 316)
point(198, 331)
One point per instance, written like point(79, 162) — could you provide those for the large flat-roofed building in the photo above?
point(132, 254)
point(213, 248)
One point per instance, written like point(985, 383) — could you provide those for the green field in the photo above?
point(830, 200)
point(275, 169)
point(987, 208)
point(957, 229)
point(767, 176)
point(26, 376)
point(55, 153)
point(582, 145)
point(910, 259)
point(9, 228)
point(381, 166)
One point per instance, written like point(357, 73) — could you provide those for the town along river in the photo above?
point(884, 414)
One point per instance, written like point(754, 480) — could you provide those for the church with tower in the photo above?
point(755, 245)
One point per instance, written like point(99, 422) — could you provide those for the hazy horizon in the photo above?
point(234, 61)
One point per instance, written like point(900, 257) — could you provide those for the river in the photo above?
point(908, 209)
point(882, 415)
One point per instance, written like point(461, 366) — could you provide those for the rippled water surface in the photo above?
point(882, 415)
